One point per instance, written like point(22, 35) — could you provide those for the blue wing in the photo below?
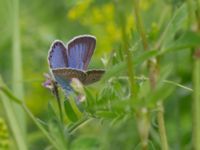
point(63, 77)
point(57, 56)
point(79, 51)
point(65, 84)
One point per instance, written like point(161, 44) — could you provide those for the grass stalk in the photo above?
point(196, 86)
point(17, 67)
point(153, 74)
point(13, 122)
point(161, 126)
point(129, 63)
point(127, 53)
point(143, 116)
point(189, 7)
point(56, 93)
point(51, 140)
point(139, 24)
point(197, 12)
point(7, 97)
point(11, 117)
point(196, 102)
point(143, 124)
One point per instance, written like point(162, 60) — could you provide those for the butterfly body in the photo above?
point(72, 60)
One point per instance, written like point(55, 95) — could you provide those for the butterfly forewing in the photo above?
point(79, 51)
point(57, 56)
point(93, 76)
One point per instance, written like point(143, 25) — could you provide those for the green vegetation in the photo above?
point(148, 99)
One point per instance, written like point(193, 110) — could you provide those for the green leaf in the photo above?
point(55, 127)
point(86, 143)
point(69, 111)
point(106, 114)
point(6, 96)
point(119, 68)
point(160, 93)
point(188, 40)
point(90, 101)
point(162, 89)
point(89, 98)
point(74, 126)
point(10, 95)
point(52, 113)
point(173, 26)
point(57, 133)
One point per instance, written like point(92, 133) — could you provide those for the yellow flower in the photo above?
point(108, 11)
point(113, 31)
point(145, 4)
point(78, 10)
point(130, 23)
point(97, 16)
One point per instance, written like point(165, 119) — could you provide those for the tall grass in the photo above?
point(13, 120)
point(7, 97)
point(196, 104)
point(196, 86)
point(17, 66)
point(14, 112)
point(153, 75)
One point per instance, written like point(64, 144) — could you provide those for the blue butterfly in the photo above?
point(72, 60)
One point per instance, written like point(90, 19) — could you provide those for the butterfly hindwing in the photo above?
point(57, 56)
point(69, 73)
point(80, 50)
point(93, 76)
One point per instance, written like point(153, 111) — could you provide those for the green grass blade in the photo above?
point(196, 104)
point(173, 26)
point(6, 98)
point(17, 67)
point(12, 119)
point(119, 68)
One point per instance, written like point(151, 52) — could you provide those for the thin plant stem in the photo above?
point(17, 66)
point(161, 126)
point(197, 12)
point(129, 63)
point(196, 104)
point(13, 122)
point(56, 93)
point(139, 24)
point(189, 7)
point(40, 126)
point(143, 124)
point(196, 86)
point(7, 96)
point(142, 118)
point(128, 54)
point(153, 71)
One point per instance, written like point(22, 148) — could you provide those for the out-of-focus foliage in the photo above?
point(106, 119)
point(4, 135)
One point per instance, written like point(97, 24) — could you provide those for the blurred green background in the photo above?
point(41, 22)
